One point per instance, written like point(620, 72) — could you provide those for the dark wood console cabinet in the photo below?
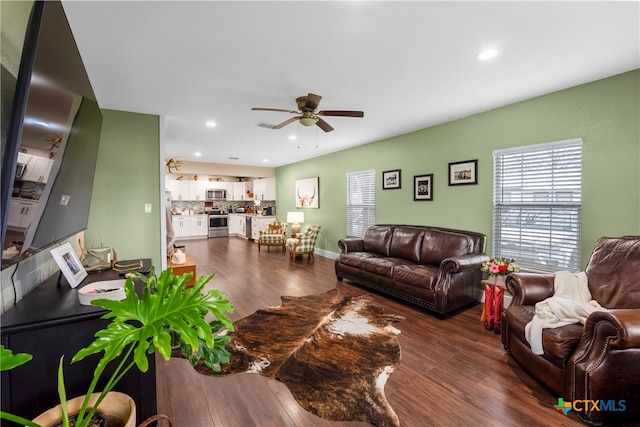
point(48, 323)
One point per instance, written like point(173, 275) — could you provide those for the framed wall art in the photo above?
point(423, 187)
point(463, 173)
point(69, 264)
point(307, 193)
point(391, 180)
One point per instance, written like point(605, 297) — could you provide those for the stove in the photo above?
point(218, 224)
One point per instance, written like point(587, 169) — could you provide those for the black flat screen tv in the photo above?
point(54, 118)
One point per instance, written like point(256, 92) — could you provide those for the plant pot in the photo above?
point(116, 406)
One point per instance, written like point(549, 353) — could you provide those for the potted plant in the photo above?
point(168, 313)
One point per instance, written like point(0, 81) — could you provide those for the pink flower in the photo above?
point(494, 269)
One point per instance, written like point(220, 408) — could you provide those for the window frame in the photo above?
point(360, 208)
point(537, 205)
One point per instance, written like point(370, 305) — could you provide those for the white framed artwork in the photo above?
point(69, 264)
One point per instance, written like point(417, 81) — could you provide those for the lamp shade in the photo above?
point(295, 217)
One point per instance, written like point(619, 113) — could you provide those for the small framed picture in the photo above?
point(423, 187)
point(69, 264)
point(391, 180)
point(463, 173)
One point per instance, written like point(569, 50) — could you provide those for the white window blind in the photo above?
point(537, 199)
point(361, 202)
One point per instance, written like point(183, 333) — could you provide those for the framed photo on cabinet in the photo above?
point(69, 264)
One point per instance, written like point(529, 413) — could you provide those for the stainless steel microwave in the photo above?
point(217, 194)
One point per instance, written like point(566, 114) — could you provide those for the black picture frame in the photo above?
point(391, 179)
point(463, 173)
point(423, 187)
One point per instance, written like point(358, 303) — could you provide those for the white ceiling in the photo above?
point(407, 65)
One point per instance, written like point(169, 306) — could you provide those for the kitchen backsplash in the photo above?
point(199, 207)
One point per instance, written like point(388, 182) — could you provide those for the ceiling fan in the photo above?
point(308, 116)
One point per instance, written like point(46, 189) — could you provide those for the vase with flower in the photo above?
point(498, 269)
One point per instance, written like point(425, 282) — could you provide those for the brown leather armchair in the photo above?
point(598, 361)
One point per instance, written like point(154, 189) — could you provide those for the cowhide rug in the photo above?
point(333, 352)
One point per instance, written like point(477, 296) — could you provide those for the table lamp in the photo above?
point(295, 218)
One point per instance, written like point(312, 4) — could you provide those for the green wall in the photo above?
point(127, 177)
point(605, 114)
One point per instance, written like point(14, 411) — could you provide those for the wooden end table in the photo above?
point(187, 267)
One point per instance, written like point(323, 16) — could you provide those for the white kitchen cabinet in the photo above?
point(181, 226)
point(200, 225)
point(38, 169)
point(198, 190)
point(190, 226)
point(21, 212)
point(264, 189)
point(179, 190)
point(217, 185)
point(232, 222)
point(240, 190)
point(237, 225)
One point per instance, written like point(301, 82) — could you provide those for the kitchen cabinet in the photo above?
point(264, 189)
point(38, 169)
point(179, 190)
point(198, 190)
point(21, 212)
point(200, 225)
point(181, 226)
point(190, 226)
point(240, 190)
point(237, 225)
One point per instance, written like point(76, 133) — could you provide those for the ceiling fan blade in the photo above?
point(324, 125)
point(343, 113)
point(274, 109)
point(312, 101)
point(286, 122)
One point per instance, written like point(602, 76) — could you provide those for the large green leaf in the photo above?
point(8, 360)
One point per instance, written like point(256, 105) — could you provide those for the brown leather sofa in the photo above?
point(598, 361)
point(435, 268)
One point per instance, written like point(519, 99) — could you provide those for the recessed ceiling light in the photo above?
point(487, 54)
point(211, 124)
point(197, 154)
point(293, 137)
point(265, 160)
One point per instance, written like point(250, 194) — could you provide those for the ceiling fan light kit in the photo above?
point(307, 106)
point(308, 121)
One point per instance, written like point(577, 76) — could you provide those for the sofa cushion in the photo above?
point(406, 243)
point(614, 272)
point(377, 239)
point(422, 276)
point(558, 343)
point(355, 259)
point(438, 245)
point(383, 266)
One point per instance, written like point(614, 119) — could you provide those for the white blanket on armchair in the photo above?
point(571, 303)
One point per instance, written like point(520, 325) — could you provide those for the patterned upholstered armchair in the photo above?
point(305, 243)
point(274, 234)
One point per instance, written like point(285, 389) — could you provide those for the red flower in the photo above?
point(502, 268)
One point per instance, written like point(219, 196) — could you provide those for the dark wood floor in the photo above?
point(452, 372)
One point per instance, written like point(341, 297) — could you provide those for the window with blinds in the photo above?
point(537, 199)
point(361, 202)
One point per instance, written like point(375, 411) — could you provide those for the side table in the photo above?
point(493, 304)
point(186, 267)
